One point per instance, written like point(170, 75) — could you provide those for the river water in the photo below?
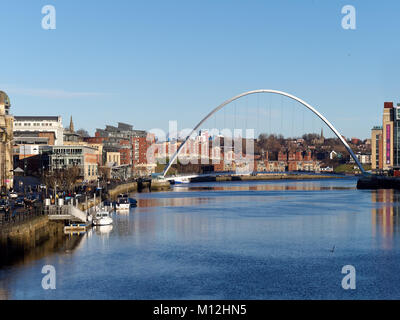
point(232, 240)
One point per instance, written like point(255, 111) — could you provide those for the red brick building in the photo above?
point(125, 152)
point(282, 156)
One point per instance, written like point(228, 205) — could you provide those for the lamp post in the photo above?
point(4, 160)
point(24, 160)
point(56, 179)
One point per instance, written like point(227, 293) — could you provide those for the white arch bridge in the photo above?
point(302, 102)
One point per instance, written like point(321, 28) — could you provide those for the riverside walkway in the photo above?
point(18, 216)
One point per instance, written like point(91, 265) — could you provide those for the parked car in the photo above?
point(19, 202)
point(13, 195)
point(30, 199)
point(4, 205)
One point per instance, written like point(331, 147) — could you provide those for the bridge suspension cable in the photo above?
point(281, 93)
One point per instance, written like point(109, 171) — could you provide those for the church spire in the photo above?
point(71, 125)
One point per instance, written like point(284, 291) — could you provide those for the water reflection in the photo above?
point(55, 244)
point(181, 196)
point(223, 240)
point(62, 246)
point(103, 230)
point(261, 186)
point(173, 202)
point(385, 215)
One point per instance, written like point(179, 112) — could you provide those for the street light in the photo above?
point(3, 180)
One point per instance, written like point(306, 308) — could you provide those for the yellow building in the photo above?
point(113, 159)
point(387, 146)
point(6, 146)
point(385, 140)
point(376, 148)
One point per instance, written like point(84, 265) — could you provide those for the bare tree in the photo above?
point(70, 177)
point(63, 178)
point(83, 133)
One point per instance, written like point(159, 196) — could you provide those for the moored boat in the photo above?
point(122, 202)
point(132, 202)
point(102, 218)
point(182, 180)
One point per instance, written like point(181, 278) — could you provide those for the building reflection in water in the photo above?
point(285, 186)
point(62, 244)
point(385, 215)
point(153, 219)
point(195, 201)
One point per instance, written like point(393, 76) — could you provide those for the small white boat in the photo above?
point(122, 203)
point(182, 180)
point(102, 218)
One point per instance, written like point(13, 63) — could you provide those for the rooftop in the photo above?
point(37, 118)
point(388, 105)
point(4, 99)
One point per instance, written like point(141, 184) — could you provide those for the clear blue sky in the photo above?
point(149, 62)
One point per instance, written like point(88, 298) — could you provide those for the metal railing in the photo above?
point(15, 217)
point(56, 210)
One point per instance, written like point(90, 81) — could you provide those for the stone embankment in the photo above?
point(17, 239)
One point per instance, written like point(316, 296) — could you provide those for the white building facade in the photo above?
point(41, 124)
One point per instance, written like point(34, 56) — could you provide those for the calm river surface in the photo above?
point(233, 240)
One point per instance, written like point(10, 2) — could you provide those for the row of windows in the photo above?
point(76, 161)
point(35, 124)
point(59, 163)
point(92, 170)
point(113, 158)
point(67, 151)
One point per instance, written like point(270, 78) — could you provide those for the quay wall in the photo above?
point(160, 185)
point(122, 188)
point(18, 239)
point(378, 182)
point(281, 176)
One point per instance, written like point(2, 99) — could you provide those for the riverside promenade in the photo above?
point(23, 230)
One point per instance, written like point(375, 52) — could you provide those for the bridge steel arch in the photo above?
point(308, 106)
